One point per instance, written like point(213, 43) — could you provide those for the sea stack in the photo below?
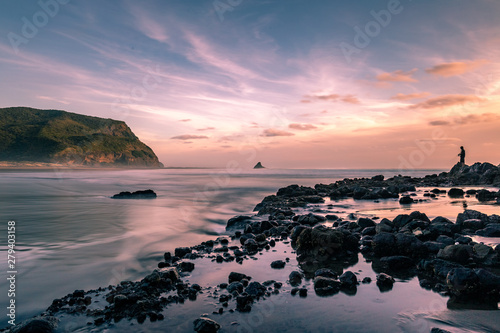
point(258, 166)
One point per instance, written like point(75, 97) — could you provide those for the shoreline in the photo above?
point(281, 216)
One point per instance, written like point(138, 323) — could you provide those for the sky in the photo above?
point(292, 84)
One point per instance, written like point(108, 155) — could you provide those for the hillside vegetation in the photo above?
point(53, 136)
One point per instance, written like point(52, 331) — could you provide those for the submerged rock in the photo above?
point(206, 325)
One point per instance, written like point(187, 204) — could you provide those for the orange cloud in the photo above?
point(302, 127)
point(445, 101)
point(455, 68)
point(185, 120)
point(406, 97)
point(350, 99)
point(188, 137)
point(276, 132)
point(397, 76)
point(205, 129)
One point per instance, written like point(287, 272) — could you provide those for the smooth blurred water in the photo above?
point(72, 235)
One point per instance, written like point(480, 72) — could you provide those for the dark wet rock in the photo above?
point(237, 277)
point(434, 247)
point(366, 280)
point(410, 245)
point(463, 240)
point(385, 225)
point(251, 245)
point(406, 200)
point(238, 221)
point(402, 220)
point(491, 231)
point(459, 253)
point(295, 278)
point(385, 282)
point(384, 244)
point(331, 217)
point(488, 281)
point(320, 242)
point(303, 292)
point(244, 303)
point(462, 280)
point(397, 262)
point(416, 215)
point(206, 325)
point(324, 286)
point(147, 194)
point(469, 214)
point(235, 286)
point(36, 325)
point(472, 224)
point(378, 178)
point(295, 191)
point(481, 252)
point(348, 280)
point(255, 289)
point(309, 219)
point(325, 272)
point(186, 266)
point(446, 240)
point(182, 251)
point(485, 195)
point(160, 276)
point(456, 193)
point(364, 222)
point(278, 264)
point(442, 226)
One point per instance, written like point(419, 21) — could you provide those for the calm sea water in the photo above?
point(72, 235)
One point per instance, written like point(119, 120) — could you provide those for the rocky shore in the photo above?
point(443, 254)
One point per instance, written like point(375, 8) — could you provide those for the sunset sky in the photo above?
point(293, 84)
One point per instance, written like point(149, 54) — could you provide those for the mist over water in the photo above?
point(71, 235)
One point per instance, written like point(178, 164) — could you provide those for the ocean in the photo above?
point(71, 235)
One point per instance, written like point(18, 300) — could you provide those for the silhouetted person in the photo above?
point(462, 155)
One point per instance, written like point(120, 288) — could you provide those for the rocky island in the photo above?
point(42, 138)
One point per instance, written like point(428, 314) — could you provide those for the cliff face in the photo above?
point(52, 136)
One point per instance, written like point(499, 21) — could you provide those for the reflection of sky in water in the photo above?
point(72, 236)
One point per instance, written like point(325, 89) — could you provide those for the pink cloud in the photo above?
point(445, 101)
point(270, 132)
point(189, 137)
point(302, 127)
point(406, 97)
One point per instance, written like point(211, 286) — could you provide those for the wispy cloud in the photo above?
point(407, 97)
point(397, 76)
point(349, 98)
point(446, 101)
point(468, 119)
point(276, 132)
point(302, 127)
point(188, 137)
point(455, 68)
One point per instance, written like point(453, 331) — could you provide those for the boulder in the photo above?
point(397, 262)
point(457, 253)
point(255, 289)
point(364, 222)
point(278, 264)
point(206, 325)
point(456, 193)
point(320, 242)
point(384, 244)
point(385, 282)
point(462, 280)
point(36, 325)
point(309, 219)
point(384, 226)
point(182, 251)
point(295, 278)
point(348, 280)
point(325, 272)
point(324, 286)
point(237, 277)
